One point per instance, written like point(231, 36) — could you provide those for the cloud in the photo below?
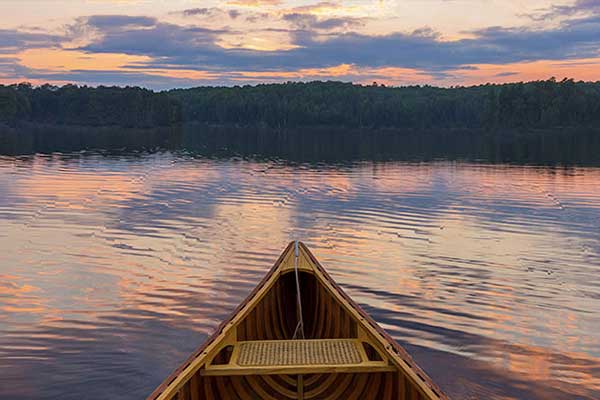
point(196, 11)
point(8, 68)
point(15, 71)
point(317, 7)
point(213, 12)
point(7, 60)
point(233, 14)
point(253, 18)
point(507, 73)
point(309, 21)
point(208, 12)
point(157, 40)
point(315, 43)
point(15, 40)
point(196, 47)
point(106, 23)
point(580, 7)
point(254, 3)
point(423, 49)
point(578, 38)
point(119, 21)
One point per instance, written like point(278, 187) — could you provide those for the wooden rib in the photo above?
point(322, 387)
point(208, 391)
point(300, 387)
point(341, 387)
point(321, 314)
point(181, 394)
point(280, 313)
point(249, 322)
point(315, 311)
point(285, 380)
point(329, 319)
point(335, 323)
point(339, 313)
point(269, 327)
point(344, 324)
point(273, 385)
point(310, 380)
point(326, 321)
point(241, 331)
point(260, 321)
point(288, 379)
point(188, 394)
point(221, 389)
point(274, 318)
point(413, 393)
point(194, 388)
point(373, 387)
point(327, 311)
point(403, 390)
point(359, 387)
point(389, 386)
point(226, 390)
point(240, 389)
point(253, 381)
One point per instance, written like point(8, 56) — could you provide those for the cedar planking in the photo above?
point(265, 322)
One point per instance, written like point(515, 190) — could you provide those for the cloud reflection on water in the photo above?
point(113, 269)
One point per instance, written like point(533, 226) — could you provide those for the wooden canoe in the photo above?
point(254, 355)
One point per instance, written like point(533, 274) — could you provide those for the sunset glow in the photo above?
point(189, 43)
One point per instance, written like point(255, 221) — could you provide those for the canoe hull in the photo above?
point(267, 320)
point(342, 386)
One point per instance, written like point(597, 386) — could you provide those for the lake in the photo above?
point(115, 266)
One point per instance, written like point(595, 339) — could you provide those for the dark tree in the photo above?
point(540, 104)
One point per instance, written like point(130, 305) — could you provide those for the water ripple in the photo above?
point(112, 269)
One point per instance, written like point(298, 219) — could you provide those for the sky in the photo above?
point(163, 44)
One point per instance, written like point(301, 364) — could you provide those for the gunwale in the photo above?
point(400, 356)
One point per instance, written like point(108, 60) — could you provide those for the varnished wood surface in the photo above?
point(362, 386)
point(271, 313)
point(275, 316)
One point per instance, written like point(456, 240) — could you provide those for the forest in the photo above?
point(540, 104)
point(72, 105)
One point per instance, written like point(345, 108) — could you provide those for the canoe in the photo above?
point(298, 336)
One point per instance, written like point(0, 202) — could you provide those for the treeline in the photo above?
point(130, 107)
point(540, 104)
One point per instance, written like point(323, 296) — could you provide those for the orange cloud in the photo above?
point(323, 7)
point(64, 60)
point(581, 69)
point(387, 75)
point(254, 3)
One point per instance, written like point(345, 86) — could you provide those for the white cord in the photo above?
point(300, 326)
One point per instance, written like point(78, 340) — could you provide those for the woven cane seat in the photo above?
point(299, 352)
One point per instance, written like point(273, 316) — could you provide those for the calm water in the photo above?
point(113, 268)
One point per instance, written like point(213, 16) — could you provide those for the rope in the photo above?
point(300, 327)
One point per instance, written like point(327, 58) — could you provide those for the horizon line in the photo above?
point(254, 85)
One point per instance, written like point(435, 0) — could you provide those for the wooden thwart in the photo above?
point(270, 357)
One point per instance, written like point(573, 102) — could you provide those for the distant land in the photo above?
point(531, 105)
